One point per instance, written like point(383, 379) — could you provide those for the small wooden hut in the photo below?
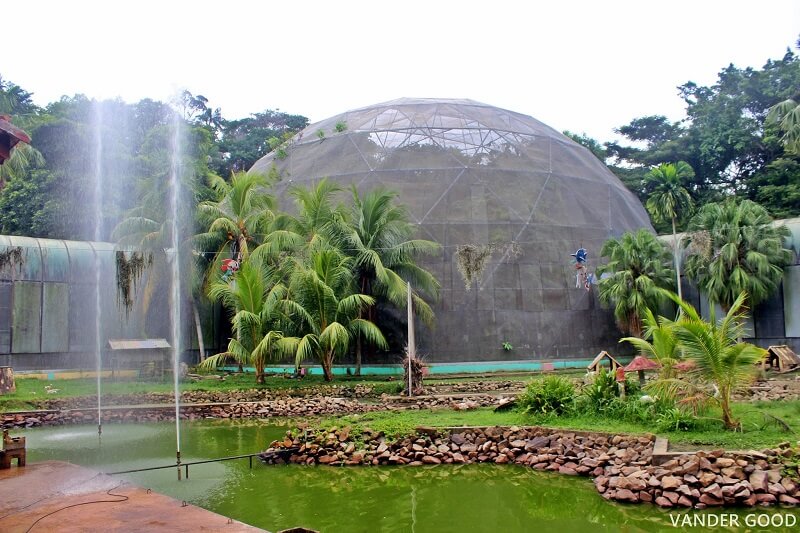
point(781, 358)
point(598, 361)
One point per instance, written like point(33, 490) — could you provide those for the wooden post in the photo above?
point(7, 380)
point(412, 345)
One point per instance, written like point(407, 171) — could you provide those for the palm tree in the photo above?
point(318, 218)
point(378, 237)
point(329, 309)
point(638, 267)
point(262, 313)
point(786, 115)
point(239, 219)
point(668, 199)
point(736, 250)
point(659, 342)
point(722, 364)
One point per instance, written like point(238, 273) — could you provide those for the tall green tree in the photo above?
point(329, 308)
point(637, 268)
point(244, 141)
point(735, 249)
point(668, 200)
point(724, 136)
point(378, 236)
point(786, 115)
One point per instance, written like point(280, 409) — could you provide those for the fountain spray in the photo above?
point(175, 299)
point(97, 200)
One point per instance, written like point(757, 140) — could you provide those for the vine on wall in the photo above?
point(128, 273)
point(11, 257)
point(472, 259)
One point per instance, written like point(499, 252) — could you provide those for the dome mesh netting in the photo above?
point(471, 173)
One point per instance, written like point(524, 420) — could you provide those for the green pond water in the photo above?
point(468, 498)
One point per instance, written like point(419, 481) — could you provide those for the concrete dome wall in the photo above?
point(474, 174)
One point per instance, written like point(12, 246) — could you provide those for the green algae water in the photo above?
point(442, 498)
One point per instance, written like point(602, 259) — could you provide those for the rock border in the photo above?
point(621, 465)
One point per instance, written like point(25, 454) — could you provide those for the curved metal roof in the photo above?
point(52, 259)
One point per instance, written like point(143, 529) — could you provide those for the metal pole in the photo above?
point(412, 345)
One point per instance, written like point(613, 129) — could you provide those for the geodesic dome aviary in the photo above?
point(471, 173)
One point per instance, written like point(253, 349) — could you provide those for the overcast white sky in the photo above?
point(586, 66)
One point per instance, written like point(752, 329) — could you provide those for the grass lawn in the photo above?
point(758, 431)
point(759, 427)
point(30, 390)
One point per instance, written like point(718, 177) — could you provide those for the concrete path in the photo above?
point(56, 496)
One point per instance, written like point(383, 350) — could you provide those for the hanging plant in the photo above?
point(11, 257)
point(701, 244)
point(471, 260)
point(128, 273)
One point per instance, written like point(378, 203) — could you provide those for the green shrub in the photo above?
point(674, 419)
point(551, 395)
point(600, 396)
point(632, 387)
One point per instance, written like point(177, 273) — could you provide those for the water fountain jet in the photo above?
point(97, 201)
point(175, 295)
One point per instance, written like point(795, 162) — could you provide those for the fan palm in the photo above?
point(736, 250)
point(638, 266)
point(722, 364)
point(378, 237)
point(668, 199)
point(786, 115)
point(329, 309)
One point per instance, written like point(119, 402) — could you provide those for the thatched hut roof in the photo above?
point(641, 362)
point(683, 366)
point(598, 361)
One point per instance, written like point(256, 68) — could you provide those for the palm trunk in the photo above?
point(260, 372)
point(327, 366)
point(725, 404)
point(358, 352)
point(199, 329)
point(358, 336)
point(243, 252)
point(676, 254)
point(635, 326)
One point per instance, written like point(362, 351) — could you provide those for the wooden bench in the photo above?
point(13, 448)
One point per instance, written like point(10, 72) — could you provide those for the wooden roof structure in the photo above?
point(10, 135)
point(781, 357)
point(641, 363)
point(597, 363)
